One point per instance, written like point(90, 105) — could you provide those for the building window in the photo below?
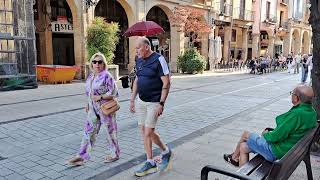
point(60, 8)
point(268, 10)
point(234, 35)
point(281, 18)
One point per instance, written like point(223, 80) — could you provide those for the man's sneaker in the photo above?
point(166, 161)
point(147, 168)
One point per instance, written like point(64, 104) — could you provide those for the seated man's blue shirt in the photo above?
point(149, 72)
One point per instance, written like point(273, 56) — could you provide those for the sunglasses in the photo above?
point(95, 62)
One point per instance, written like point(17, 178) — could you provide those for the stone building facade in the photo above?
point(248, 28)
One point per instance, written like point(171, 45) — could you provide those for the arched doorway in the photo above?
point(305, 43)
point(62, 33)
point(113, 11)
point(295, 42)
point(160, 42)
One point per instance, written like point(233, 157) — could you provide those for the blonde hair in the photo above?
point(103, 59)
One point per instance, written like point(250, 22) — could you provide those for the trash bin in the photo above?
point(125, 81)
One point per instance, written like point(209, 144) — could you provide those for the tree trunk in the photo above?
point(315, 74)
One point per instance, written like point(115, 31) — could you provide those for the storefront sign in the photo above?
point(61, 27)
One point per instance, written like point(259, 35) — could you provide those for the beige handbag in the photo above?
point(110, 107)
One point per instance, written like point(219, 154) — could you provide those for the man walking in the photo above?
point(152, 83)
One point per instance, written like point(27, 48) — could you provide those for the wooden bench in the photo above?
point(259, 168)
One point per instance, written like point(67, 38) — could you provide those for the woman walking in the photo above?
point(100, 88)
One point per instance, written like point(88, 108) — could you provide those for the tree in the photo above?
point(102, 37)
point(315, 74)
point(190, 21)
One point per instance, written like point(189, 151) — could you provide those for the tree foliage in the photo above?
point(102, 37)
point(190, 21)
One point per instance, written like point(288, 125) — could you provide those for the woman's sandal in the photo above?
point(110, 159)
point(228, 159)
point(76, 161)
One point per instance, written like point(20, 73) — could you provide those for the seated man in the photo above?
point(291, 127)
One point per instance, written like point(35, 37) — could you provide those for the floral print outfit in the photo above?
point(100, 84)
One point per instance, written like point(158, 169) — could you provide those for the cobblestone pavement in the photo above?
point(41, 129)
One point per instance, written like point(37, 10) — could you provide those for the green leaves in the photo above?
point(191, 61)
point(102, 37)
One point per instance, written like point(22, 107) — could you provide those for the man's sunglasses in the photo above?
point(95, 62)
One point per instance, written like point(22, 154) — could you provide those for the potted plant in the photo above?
point(103, 37)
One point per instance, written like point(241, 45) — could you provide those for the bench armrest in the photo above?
point(205, 171)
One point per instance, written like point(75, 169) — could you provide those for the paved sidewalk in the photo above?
point(218, 139)
point(38, 136)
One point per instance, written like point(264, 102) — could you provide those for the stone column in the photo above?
point(132, 53)
point(299, 44)
point(271, 46)
point(227, 39)
point(176, 47)
point(245, 44)
point(46, 48)
point(141, 14)
point(287, 44)
point(255, 45)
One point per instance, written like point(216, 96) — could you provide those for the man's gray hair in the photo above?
point(144, 40)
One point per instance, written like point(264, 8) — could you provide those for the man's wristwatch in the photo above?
point(161, 103)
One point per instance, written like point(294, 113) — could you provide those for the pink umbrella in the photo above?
point(143, 28)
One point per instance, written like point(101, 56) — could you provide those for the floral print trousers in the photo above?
point(91, 129)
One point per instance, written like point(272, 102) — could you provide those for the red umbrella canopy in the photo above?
point(143, 28)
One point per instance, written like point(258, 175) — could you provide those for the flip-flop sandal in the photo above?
point(110, 159)
point(228, 159)
point(77, 161)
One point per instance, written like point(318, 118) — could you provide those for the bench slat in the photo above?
point(251, 165)
point(262, 171)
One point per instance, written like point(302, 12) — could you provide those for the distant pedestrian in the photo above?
point(310, 62)
point(100, 88)
point(304, 68)
point(297, 60)
point(152, 83)
point(290, 62)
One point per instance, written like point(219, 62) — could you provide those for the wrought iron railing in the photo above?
point(270, 18)
point(243, 14)
point(223, 9)
point(284, 25)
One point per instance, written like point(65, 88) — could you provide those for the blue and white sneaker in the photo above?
point(166, 161)
point(146, 169)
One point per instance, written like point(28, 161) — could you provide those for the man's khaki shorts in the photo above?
point(147, 113)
